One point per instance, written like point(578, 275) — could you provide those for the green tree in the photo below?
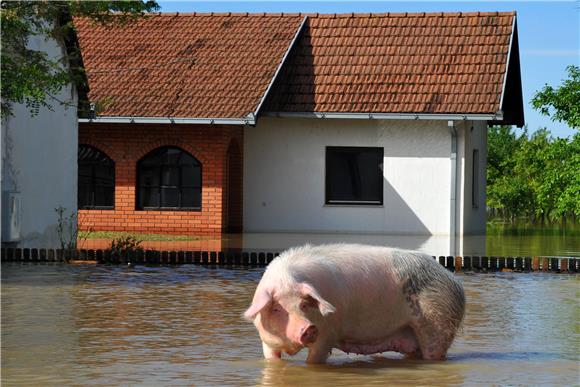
point(537, 176)
point(29, 76)
point(561, 103)
point(507, 192)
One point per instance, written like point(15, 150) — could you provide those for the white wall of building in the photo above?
point(473, 213)
point(39, 165)
point(284, 176)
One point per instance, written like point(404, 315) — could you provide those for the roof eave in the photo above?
point(391, 116)
point(249, 120)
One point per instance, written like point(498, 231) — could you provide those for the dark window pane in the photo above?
point(172, 156)
point(103, 196)
point(191, 197)
point(149, 197)
point(104, 173)
point(354, 175)
point(84, 196)
point(170, 176)
point(174, 174)
point(96, 178)
point(149, 177)
point(169, 197)
point(190, 176)
point(85, 172)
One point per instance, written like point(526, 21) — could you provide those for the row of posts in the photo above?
point(243, 258)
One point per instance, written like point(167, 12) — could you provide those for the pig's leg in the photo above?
point(270, 353)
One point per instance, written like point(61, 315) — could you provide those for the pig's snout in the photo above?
point(309, 335)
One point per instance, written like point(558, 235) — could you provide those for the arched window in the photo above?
point(168, 178)
point(96, 180)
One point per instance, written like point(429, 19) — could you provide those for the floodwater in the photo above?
point(182, 325)
point(502, 239)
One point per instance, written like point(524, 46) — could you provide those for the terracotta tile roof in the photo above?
point(397, 63)
point(220, 65)
point(169, 65)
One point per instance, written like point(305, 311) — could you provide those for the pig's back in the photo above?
point(363, 282)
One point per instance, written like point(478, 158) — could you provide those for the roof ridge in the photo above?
point(337, 15)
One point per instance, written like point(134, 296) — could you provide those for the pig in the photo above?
point(359, 299)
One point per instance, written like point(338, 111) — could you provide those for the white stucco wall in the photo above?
point(284, 176)
point(39, 163)
point(473, 215)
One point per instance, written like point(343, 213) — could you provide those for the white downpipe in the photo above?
point(453, 195)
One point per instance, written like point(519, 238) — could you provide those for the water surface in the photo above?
point(182, 325)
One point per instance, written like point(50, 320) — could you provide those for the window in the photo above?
point(475, 177)
point(169, 178)
point(354, 175)
point(96, 179)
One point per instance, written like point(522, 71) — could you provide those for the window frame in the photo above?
point(357, 203)
point(93, 181)
point(160, 187)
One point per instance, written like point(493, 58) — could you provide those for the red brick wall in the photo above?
point(127, 143)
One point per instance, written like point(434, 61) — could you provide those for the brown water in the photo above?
point(181, 325)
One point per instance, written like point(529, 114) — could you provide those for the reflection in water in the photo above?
point(502, 239)
point(182, 325)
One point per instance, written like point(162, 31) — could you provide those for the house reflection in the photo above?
point(429, 244)
point(436, 245)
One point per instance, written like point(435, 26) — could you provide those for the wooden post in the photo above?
point(476, 263)
point(545, 264)
point(458, 264)
point(467, 263)
point(510, 263)
point(212, 257)
point(485, 263)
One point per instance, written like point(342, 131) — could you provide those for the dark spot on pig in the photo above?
point(414, 286)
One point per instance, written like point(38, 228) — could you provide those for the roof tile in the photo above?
point(164, 65)
point(398, 63)
point(220, 65)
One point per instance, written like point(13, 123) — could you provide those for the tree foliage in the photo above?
point(561, 103)
point(30, 76)
point(533, 175)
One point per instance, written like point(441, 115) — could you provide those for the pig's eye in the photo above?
point(308, 302)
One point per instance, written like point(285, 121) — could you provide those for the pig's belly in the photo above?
point(403, 341)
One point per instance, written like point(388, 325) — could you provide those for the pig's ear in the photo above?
point(261, 299)
point(324, 306)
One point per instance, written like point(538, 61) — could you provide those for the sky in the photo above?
point(548, 31)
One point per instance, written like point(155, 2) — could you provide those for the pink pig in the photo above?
point(359, 299)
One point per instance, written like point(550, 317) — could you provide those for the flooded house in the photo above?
point(207, 124)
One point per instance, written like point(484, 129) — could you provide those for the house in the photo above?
point(356, 123)
point(39, 165)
